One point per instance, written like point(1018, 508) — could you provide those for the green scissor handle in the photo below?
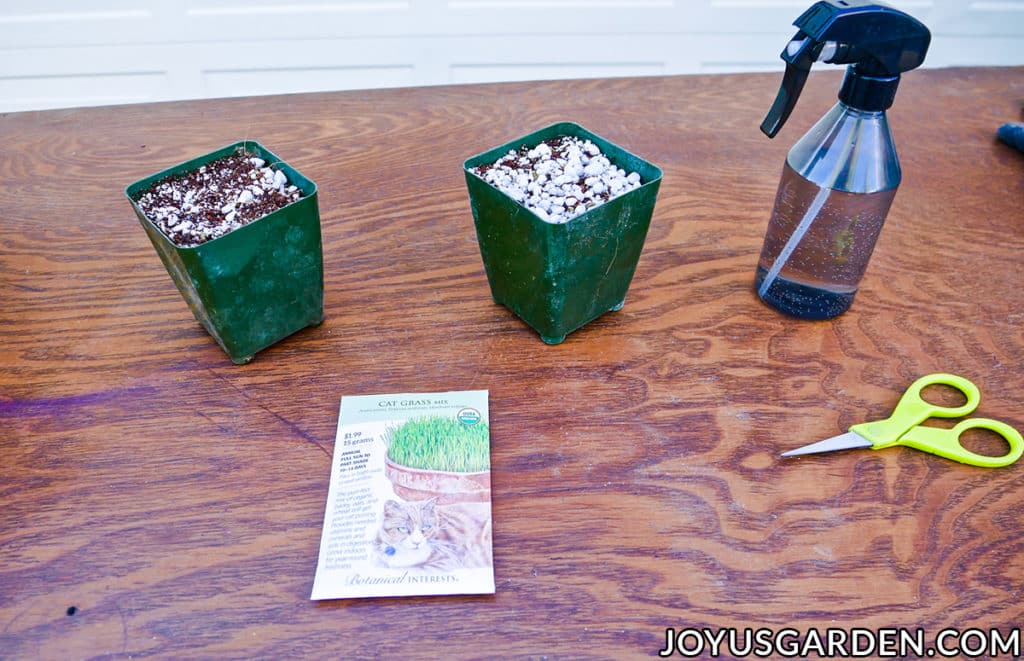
point(913, 410)
point(946, 442)
point(901, 428)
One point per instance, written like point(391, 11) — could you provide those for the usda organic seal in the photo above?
point(469, 416)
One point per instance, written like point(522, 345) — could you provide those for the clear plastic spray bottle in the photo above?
point(840, 178)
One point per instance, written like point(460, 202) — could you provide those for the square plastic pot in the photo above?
point(559, 277)
point(257, 284)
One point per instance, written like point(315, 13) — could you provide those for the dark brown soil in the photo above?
point(223, 195)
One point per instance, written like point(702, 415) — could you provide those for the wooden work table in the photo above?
point(157, 500)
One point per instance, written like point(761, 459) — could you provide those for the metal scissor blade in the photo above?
point(842, 442)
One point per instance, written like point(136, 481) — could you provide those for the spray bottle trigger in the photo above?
point(799, 55)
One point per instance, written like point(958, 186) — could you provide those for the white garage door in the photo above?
point(60, 53)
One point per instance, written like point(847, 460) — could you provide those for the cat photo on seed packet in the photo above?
point(409, 502)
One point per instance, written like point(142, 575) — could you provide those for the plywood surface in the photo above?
point(173, 501)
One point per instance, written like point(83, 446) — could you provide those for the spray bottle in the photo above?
point(840, 178)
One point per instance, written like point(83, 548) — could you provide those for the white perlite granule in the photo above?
point(558, 179)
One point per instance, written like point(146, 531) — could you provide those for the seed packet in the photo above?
point(409, 503)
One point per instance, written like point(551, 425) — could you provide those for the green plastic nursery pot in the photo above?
point(559, 277)
point(257, 284)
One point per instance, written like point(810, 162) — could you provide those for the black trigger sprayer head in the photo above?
point(878, 42)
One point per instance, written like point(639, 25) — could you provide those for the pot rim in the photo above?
point(562, 128)
point(301, 181)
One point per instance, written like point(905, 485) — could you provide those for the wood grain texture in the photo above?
point(176, 499)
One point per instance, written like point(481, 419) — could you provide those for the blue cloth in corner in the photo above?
point(1012, 134)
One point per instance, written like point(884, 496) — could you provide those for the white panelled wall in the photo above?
point(64, 53)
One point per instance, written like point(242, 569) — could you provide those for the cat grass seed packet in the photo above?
point(409, 503)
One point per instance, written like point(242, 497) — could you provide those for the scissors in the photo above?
point(903, 427)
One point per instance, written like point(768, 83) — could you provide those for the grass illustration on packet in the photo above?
point(409, 503)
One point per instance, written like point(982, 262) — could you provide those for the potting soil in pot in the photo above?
point(560, 178)
point(221, 196)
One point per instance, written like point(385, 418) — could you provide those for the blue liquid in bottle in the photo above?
point(802, 301)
